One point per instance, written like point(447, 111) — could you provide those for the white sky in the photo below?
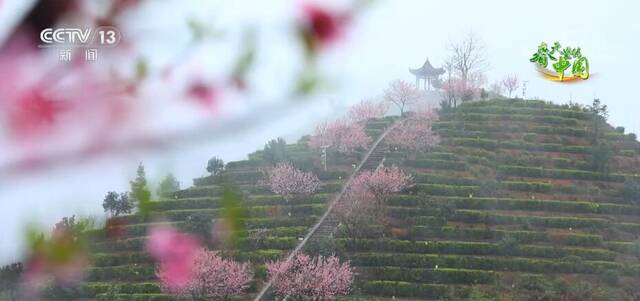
point(386, 40)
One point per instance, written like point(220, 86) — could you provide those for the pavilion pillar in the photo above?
point(427, 73)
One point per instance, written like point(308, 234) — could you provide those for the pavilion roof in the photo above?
point(427, 70)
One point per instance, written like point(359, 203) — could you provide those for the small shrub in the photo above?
point(581, 290)
point(215, 165)
point(611, 277)
point(631, 191)
point(275, 151)
point(112, 293)
point(534, 283)
point(199, 224)
point(508, 245)
point(323, 247)
point(635, 248)
point(573, 259)
point(600, 155)
point(169, 184)
point(529, 137)
point(489, 188)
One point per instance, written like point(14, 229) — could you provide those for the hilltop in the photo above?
point(519, 201)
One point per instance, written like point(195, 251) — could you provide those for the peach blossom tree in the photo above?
point(416, 133)
point(340, 135)
point(363, 209)
point(212, 276)
point(511, 83)
point(381, 183)
point(289, 182)
point(402, 94)
point(316, 278)
point(175, 253)
point(367, 109)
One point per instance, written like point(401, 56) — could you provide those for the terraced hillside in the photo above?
point(272, 227)
point(509, 207)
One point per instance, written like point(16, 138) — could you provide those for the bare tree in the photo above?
point(449, 94)
point(511, 82)
point(497, 87)
point(402, 94)
point(467, 56)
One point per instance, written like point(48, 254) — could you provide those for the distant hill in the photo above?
point(509, 206)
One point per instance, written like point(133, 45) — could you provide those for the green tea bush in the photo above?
point(445, 190)
point(436, 164)
point(136, 272)
point(405, 289)
point(526, 186)
point(440, 276)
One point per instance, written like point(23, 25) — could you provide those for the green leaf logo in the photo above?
point(561, 59)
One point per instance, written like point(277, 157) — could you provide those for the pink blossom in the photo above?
point(341, 135)
point(381, 183)
point(176, 253)
point(511, 82)
point(319, 278)
point(202, 93)
point(212, 276)
point(40, 103)
point(321, 26)
point(402, 94)
point(34, 113)
point(366, 110)
point(459, 88)
point(416, 132)
point(288, 181)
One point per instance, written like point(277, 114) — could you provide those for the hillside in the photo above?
point(509, 206)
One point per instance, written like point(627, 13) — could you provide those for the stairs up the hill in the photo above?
point(330, 224)
point(329, 221)
point(375, 159)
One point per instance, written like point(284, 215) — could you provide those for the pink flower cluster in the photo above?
point(367, 109)
point(217, 277)
point(318, 278)
point(402, 94)
point(186, 268)
point(459, 88)
point(321, 27)
point(380, 184)
point(341, 135)
point(288, 181)
point(416, 132)
point(176, 253)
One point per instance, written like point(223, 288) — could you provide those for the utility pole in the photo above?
point(524, 89)
point(324, 156)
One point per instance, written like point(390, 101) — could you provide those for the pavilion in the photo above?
point(428, 73)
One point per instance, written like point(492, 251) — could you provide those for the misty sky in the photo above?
point(385, 41)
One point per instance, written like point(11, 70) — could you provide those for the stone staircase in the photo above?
point(329, 221)
point(330, 224)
